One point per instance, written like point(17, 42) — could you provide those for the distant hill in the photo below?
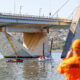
point(59, 37)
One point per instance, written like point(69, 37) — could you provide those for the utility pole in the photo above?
point(57, 14)
point(14, 6)
point(20, 9)
point(40, 11)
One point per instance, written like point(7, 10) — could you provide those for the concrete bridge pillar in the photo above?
point(34, 42)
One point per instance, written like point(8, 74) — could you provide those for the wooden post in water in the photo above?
point(51, 46)
point(43, 50)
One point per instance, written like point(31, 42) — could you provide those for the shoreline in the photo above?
point(57, 51)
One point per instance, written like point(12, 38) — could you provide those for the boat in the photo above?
point(15, 60)
point(43, 59)
point(46, 58)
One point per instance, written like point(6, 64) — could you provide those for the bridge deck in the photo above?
point(10, 20)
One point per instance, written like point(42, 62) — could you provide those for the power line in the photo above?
point(61, 7)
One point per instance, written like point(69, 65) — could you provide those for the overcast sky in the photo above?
point(38, 7)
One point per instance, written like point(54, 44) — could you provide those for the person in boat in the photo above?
point(42, 57)
point(71, 64)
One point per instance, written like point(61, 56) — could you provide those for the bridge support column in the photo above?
point(34, 42)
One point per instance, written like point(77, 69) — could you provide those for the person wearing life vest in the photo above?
point(71, 64)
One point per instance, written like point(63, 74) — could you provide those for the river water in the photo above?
point(31, 69)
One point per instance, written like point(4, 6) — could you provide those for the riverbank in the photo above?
point(57, 51)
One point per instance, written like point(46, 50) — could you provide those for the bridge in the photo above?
point(74, 32)
point(34, 31)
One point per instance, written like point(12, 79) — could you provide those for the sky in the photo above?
point(39, 7)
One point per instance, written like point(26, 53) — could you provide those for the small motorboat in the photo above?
point(42, 58)
point(45, 58)
point(15, 60)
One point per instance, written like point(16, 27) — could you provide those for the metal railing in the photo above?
point(34, 16)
